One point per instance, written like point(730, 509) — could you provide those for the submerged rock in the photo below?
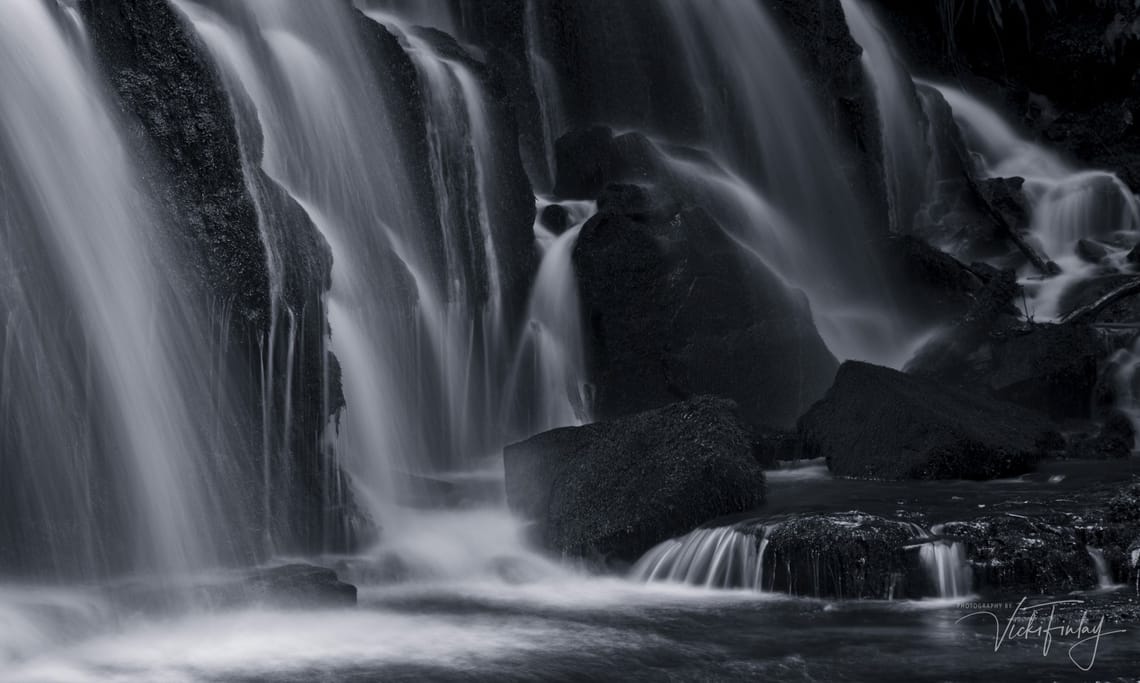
point(611, 490)
point(878, 423)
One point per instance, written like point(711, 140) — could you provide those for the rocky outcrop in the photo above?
point(878, 423)
point(1026, 555)
point(673, 309)
point(609, 491)
point(183, 119)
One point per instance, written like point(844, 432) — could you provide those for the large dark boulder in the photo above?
point(673, 309)
point(612, 490)
point(878, 423)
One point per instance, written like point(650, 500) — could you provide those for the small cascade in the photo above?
point(734, 557)
point(1067, 205)
point(1103, 573)
point(718, 557)
point(550, 363)
point(945, 563)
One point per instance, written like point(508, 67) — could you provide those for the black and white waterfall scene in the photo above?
point(569, 340)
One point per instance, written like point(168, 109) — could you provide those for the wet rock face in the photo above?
point(1018, 554)
point(848, 556)
point(878, 423)
point(609, 491)
point(673, 309)
point(182, 118)
point(160, 73)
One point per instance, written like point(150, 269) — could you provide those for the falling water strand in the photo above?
point(134, 347)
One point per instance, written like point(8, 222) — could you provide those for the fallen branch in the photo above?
point(1039, 260)
point(1090, 311)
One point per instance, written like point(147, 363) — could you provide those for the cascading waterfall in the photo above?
point(418, 307)
point(107, 396)
point(1067, 205)
point(1103, 573)
point(762, 164)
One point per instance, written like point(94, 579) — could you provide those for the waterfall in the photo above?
point(409, 195)
point(906, 153)
point(1103, 573)
point(945, 563)
point(1066, 204)
point(550, 356)
point(116, 443)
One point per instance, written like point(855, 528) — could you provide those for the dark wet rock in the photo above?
point(1006, 196)
point(1124, 507)
point(934, 284)
point(298, 585)
point(1092, 251)
point(878, 423)
point(609, 491)
point(1026, 555)
point(845, 555)
point(673, 309)
point(960, 353)
point(555, 218)
point(1115, 439)
point(642, 203)
point(583, 160)
point(773, 446)
point(1052, 368)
